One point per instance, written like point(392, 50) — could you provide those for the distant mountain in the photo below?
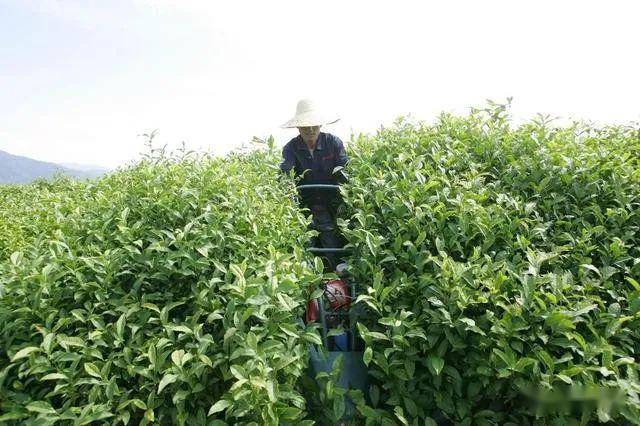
point(17, 169)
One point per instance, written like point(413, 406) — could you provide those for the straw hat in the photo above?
point(308, 114)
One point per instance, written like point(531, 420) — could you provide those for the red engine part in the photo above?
point(313, 311)
point(337, 292)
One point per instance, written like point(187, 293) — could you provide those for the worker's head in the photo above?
point(309, 133)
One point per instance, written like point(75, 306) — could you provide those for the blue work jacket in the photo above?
point(328, 154)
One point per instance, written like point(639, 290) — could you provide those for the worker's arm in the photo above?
point(341, 154)
point(288, 159)
point(341, 161)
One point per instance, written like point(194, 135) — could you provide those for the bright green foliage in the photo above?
point(499, 262)
point(501, 266)
point(29, 211)
point(170, 293)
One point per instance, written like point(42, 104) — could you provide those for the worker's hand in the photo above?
point(340, 175)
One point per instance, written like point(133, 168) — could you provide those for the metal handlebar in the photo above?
point(319, 186)
point(325, 250)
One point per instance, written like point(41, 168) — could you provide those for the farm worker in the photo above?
point(316, 158)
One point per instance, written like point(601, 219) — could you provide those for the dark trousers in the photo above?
point(324, 222)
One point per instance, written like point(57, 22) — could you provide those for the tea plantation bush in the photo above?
point(501, 268)
point(29, 211)
point(169, 292)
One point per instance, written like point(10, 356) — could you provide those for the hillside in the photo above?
point(17, 169)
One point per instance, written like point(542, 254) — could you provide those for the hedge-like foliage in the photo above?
point(29, 211)
point(170, 293)
point(501, 266)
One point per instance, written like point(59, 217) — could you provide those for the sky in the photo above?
point(81, 80)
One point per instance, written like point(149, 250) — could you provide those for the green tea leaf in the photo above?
point(54, 376)
point(436, 364)
point(338, 407)
point(24, 353)
point(219, 406)
point(41, 407)
point(368, 355)
point(167, 379)
point(92, 370)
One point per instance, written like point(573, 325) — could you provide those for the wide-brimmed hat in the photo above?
point(308, 114)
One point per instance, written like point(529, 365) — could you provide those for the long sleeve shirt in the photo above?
point(316, 166)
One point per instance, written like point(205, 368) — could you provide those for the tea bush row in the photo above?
point(501, 266)
point(171, 293)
